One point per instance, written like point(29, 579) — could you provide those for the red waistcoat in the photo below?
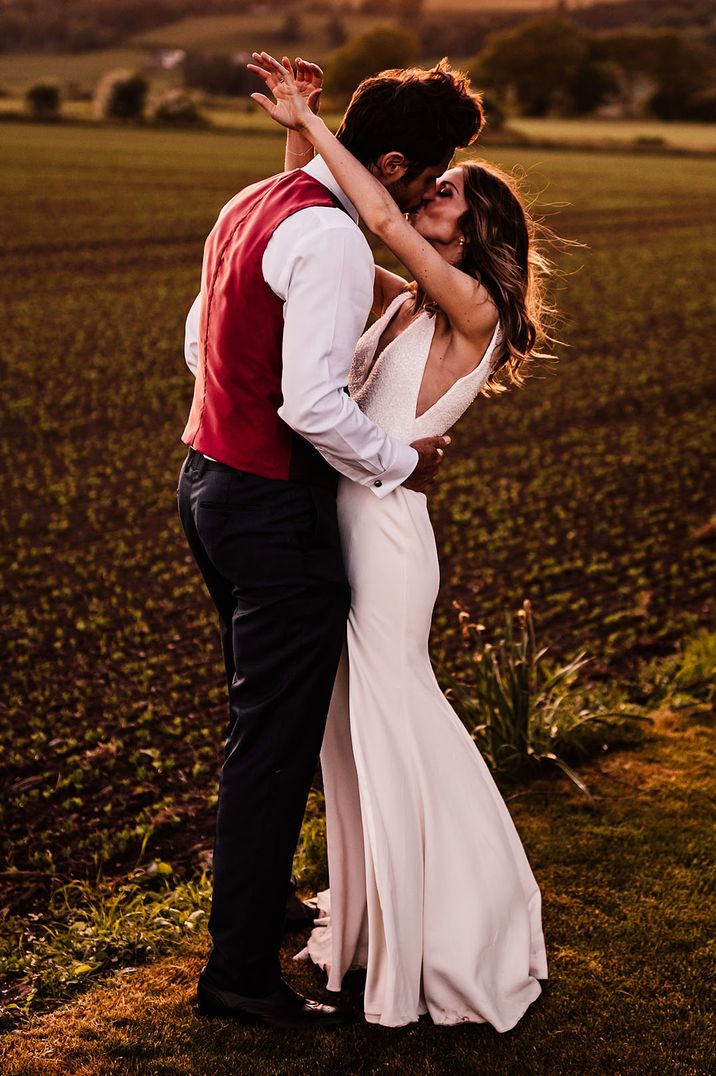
point(237, 393)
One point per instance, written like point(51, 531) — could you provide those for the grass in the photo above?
point(90, 929)
point(626, 888)
point(587, 493)
point(526, 717)
point(81, 69)
point(650, 135)
point(615, 133)
point(245, 32)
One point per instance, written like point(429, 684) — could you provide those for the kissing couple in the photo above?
point(305, 508)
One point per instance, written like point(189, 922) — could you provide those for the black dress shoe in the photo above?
point(283, 1008)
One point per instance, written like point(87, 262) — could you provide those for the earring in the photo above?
point(461, 241)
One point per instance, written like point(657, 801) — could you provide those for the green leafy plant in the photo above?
point(684, 681)
point(91, 930)
point(524, 711)
point(696, 676)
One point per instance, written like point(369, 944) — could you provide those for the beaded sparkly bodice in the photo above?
point(387, 389)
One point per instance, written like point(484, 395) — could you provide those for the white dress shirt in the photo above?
point(319, 263)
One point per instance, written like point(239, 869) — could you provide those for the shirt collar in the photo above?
point(318, 169)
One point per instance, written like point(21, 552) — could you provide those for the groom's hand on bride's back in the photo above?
point(431, 452)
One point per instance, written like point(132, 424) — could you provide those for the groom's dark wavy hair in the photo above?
point(425, 115)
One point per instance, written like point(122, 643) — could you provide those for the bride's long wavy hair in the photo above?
point(504, 250)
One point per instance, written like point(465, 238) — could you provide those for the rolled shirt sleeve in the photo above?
point(320, 264)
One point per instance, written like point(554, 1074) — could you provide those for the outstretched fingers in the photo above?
point(309, 70)
point(263, 102)
point(269, 63)
point(267, 76)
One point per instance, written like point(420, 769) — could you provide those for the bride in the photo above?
point(430, 887)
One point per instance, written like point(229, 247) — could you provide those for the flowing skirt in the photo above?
point(430, 887)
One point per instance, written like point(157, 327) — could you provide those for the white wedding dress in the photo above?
point(430, 887)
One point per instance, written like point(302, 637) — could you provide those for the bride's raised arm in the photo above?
point(461, 298)
point(300, 150)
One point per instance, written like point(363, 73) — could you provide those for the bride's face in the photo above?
point(438, 217)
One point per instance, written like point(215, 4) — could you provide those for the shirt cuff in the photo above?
point(403, 466)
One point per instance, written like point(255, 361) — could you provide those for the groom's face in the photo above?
point(410, 194)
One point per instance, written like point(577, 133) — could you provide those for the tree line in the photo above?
point(545, 66)
point(553, 66)
point(84, 25)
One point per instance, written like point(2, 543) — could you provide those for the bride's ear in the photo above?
point(390, 167)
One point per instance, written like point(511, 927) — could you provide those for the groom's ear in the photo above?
point(389, 168)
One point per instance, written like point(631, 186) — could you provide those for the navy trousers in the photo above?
point(269, 552)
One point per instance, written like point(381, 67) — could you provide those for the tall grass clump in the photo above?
point(92, 929)
point(525, 712)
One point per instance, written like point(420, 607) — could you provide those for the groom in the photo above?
point(287, 286)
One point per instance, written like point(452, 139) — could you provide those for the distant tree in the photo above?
point(494, 113)
point(220, 73)
point(15, 28)
point(462, 34)
point(372, 7)
point(684, 78)
point(43, 101)
point(675, 69)
point(542, 64)
point(376, 50)
point(177, 109)
point(634, 57)
point(701, 106)
point(336, 32)
point(291, 28)
point(593, 83)
point(402, 8)
point(86, 36)
point(121, 95)
point(407, 9)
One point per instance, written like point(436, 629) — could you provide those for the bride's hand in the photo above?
point(309, 81)
point(292, 106)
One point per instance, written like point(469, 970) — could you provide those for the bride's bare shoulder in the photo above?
point(469, 350)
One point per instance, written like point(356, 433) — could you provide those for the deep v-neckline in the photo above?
point(391, 310)
point(486, 356)
point(379, 328)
